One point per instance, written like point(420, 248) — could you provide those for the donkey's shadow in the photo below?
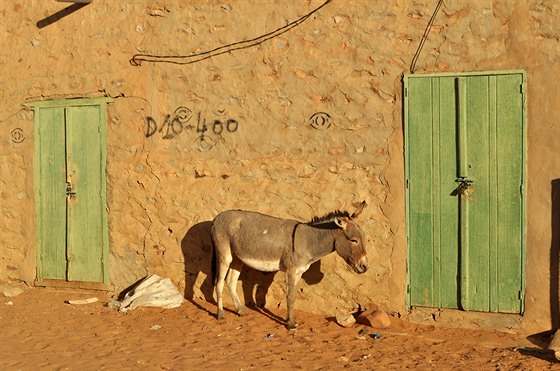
point(197, 247)
point(256, 285)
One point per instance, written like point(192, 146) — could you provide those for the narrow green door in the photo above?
point(72, 242)
point(465, 206)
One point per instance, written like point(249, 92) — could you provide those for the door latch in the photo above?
point(69, 190)
point(464, 184)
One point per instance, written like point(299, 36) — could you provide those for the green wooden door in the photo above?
point(72, 242)
point(465, 206)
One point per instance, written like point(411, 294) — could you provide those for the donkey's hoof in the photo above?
point(291, 325)
point(220, 315)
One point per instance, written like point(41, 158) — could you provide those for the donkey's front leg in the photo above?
point(292, 279)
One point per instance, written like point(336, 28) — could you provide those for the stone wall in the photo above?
point(299, 125)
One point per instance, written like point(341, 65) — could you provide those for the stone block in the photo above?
point(345, 320)
point(10, 291)
point(374, 318)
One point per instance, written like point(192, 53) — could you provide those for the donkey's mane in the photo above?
point(329, 217)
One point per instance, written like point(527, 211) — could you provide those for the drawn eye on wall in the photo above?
point(204, 142)
point(17, 135)
point(183, 115)
point(220, 112)
point(320, 121)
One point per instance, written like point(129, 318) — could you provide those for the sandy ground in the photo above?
point(39, 331)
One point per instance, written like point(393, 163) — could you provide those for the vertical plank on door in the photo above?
point(510, 205)
point(85, 221)
point(436, 190)
point(493, 172)
point(477, 293)
point(420, 192)
point(449, 203)
point(51, 190)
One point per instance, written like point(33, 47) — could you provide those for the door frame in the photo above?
point(67, 103)
point(523, 231)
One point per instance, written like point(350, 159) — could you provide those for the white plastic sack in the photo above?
point(152, 291)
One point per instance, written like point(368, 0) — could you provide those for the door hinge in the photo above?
point(406, 184)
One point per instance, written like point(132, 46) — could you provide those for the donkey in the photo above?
point(270, 244)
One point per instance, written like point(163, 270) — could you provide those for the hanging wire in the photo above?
point(137, 59)
point(425, 36)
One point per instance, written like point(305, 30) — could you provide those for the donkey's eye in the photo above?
point(354, 241)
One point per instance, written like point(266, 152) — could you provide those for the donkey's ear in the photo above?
point(341, 223)
point(359, 210)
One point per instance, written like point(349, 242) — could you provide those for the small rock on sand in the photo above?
point(345, 320)
point(10, 291)
point(89, 300)
point(376, 319)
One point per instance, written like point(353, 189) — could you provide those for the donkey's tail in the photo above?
point(214, 264)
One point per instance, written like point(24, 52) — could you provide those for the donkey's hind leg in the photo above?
point(231, 281)
point(223, 263)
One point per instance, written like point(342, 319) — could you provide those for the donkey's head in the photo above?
point(349, 244)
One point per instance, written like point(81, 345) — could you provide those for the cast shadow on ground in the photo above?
point(197, 246)
point(540, 353)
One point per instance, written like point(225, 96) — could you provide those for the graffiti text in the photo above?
point(182, 120)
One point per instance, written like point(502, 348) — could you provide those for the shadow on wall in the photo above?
point(555, 255)
point(197, 247)
point(542, 339)
point(256, 284)
point(197, 252)
point(59, 15)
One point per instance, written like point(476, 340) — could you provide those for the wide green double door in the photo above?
point(465, 158)
point(70, 155)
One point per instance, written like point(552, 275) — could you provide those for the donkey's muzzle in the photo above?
point(362, 265)
point(361, 268)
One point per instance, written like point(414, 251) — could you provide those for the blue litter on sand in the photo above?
point(269, 336)
point(375, 336)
